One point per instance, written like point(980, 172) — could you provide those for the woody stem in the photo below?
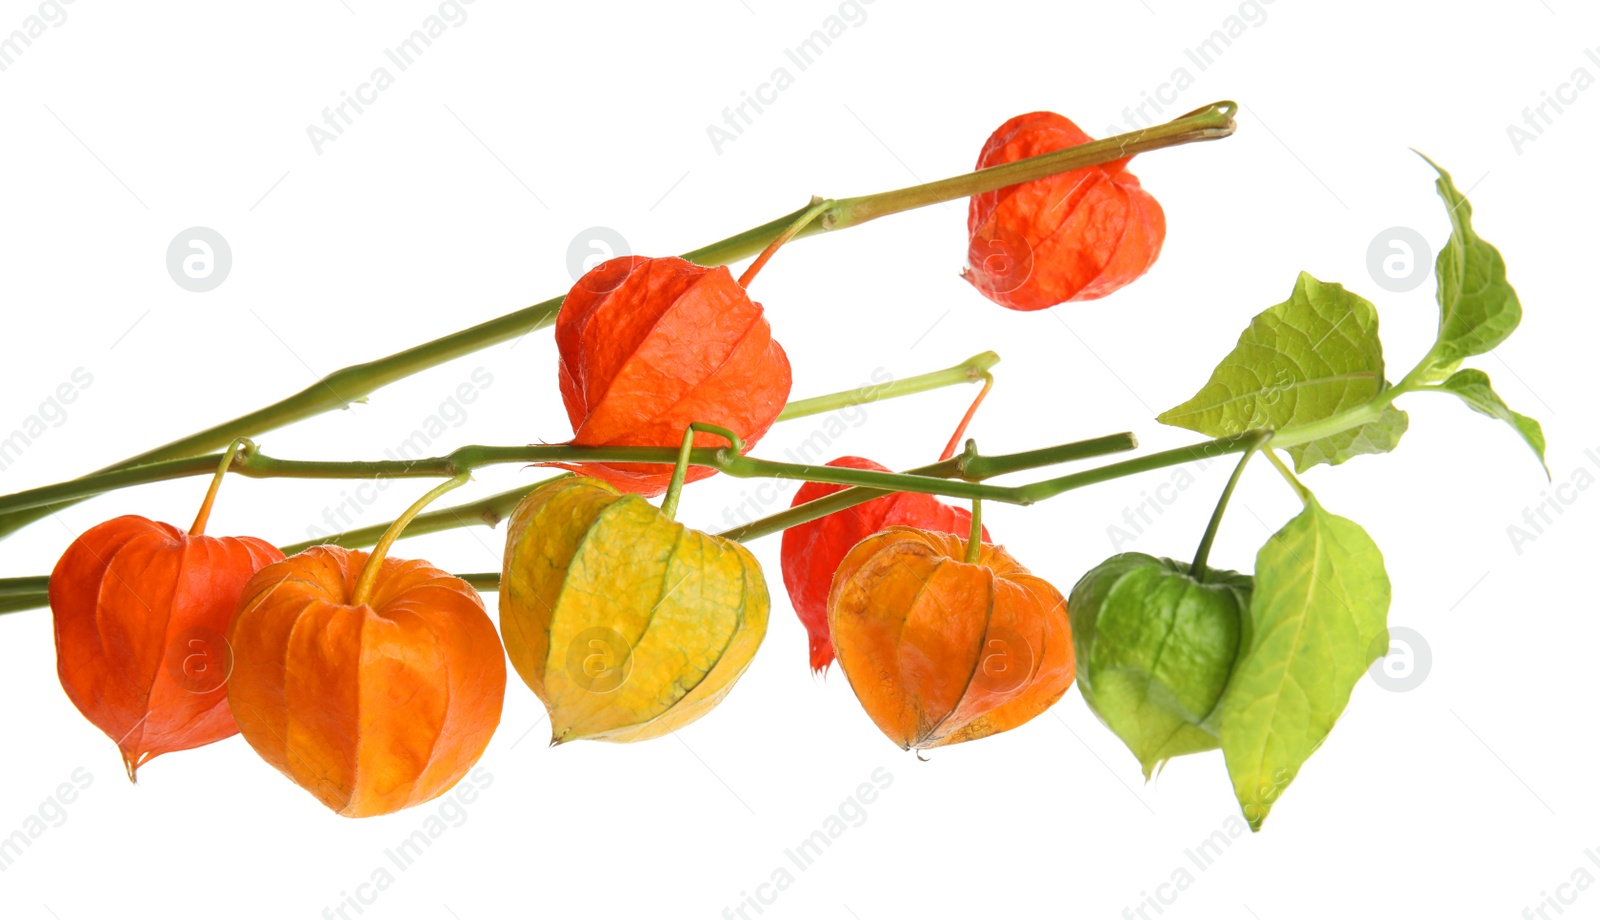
point(369, 572)
point(349, 384)
point(204, 515)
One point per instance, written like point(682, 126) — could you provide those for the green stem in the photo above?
point(483, 581)
point(971, 370)
point(1039, 491)
point(1197, 568)
point(1205, 450)
point(465, 459)
point(1208, 123)
point(1354, 417)
point(14, 603)
point(818, 205)
point(252, 464)
point(489, 511)
point(975, 534)
point(27, 593)
point(680, 471)
point(349, 384)
point(1289, 477)
point(23, 587)
point(969, 466)
point(369, 572)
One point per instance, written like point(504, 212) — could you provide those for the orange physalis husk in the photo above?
point(811, 552)
point(1078, 235)
point(626, 624)
point(941, 651)
point(650, 345)
point(372, 707)
point(140, 611)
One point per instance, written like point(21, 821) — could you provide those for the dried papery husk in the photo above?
point(370, 707)
point(1078, 235)
point(141, 609)
point(648, 346)
point(626, 624)
point(811, 552)
point(939, 650)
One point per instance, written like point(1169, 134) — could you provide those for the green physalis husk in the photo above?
point(1155, 648)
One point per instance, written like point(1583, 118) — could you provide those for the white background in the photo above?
point(454, 198)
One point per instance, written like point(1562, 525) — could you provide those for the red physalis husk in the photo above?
point(141, 609)
point(650, 345)
point(1078, 235)
point(812, 552)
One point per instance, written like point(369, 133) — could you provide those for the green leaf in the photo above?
point(1478, 309)
point(1474, 389)
point(1301, 361)
point(1375, 437)
point(1317, 620)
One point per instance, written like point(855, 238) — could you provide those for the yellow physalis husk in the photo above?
point(627, 624)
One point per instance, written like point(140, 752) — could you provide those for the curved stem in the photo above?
point(1289, 477)
point(818, 205)
point(204, 515)
point(680, 471)
point(349, 384)
point(961, 429)
point(1197, 568)
point(369, 572)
